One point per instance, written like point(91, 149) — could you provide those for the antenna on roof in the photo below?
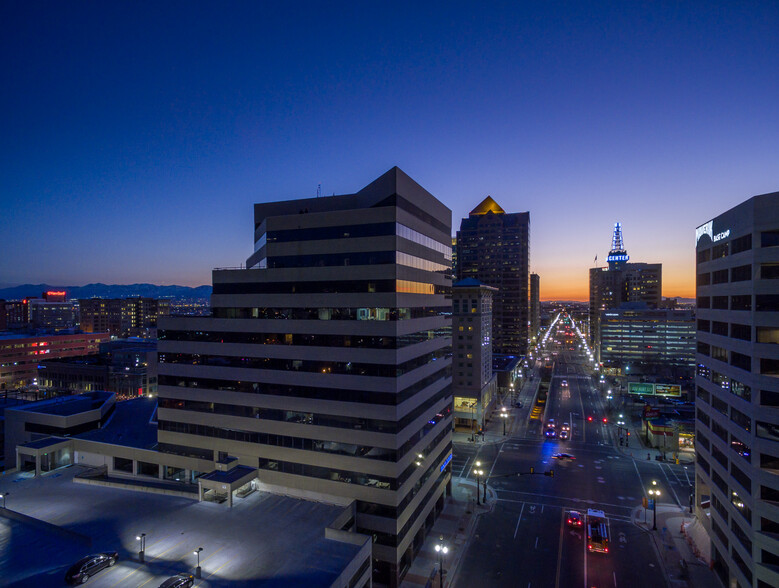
point(319, 190)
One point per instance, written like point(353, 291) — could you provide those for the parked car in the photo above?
point(88, 566)
point(179, 581)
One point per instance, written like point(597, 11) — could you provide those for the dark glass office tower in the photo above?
point(737, 387)
point(327, 363)
point(493, 247)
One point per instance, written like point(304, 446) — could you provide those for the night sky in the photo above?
point(135, 136)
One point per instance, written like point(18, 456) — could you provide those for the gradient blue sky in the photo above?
point(135, 136)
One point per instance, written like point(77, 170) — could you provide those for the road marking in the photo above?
point(536, 545)
point(662, 469)
point(560, 550)
point(217, 569)
point(519, 519)
point(464, 466)
point(148, 558)
point(584, 547)
point(640, 481)
point(615, 578)
point(556, 497)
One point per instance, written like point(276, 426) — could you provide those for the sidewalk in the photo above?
point(680, 565)
point(460, 515)
point(456, 524)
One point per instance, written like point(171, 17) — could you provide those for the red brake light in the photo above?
point(589, 418)
point(604, 419)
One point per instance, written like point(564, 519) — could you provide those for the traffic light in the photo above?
point(628, 433)
point(549, 473)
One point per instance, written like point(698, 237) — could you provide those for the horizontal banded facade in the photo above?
point(327, 363)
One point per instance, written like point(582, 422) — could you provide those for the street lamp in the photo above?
point(197, 569)
point(442, 550)
point(654, 492)
point(479, 473)
point(141, 546)
point(692, 489)
point(3, 495)
point(504, 415)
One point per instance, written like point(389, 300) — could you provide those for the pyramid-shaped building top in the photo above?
point(488, 205)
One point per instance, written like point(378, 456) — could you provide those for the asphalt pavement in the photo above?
point(520, 537)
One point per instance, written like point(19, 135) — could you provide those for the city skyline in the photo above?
point(135, 143)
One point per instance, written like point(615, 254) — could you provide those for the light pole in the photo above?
point(197, 569)
point(442, 550)
point(473, 420)
point(654, 492)
point(504, 415)
point(479, 474)
point(141, 546)
point(3, 495)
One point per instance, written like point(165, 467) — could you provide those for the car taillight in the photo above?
point(589, 547)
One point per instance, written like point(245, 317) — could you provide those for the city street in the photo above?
point(524, 540)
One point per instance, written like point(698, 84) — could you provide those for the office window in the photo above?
point(704, 279)
point(768, 335)
point(769, 366)
point(703, 256)
point(767, 302)
point(741, 361)
point(743, 332)
point(719, 277)
point(719, 251)
point(769, 238)
point(741, 244)
point(719, 328)
point(741, 302)
point(769, 271)
point(769, 398)
point(741, 273)
point(719, 353)
point(767, 430)
point(719, 302)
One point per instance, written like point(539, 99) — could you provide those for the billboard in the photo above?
point(668, 390)
point(641, 388)
point(647, 389)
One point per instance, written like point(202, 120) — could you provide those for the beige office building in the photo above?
point(327, 362)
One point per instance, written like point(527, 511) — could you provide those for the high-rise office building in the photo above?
point(493, 247)
point(737, 387)
point(535, 306)
point(619, 283)
point(327, 362)
point(474, 386)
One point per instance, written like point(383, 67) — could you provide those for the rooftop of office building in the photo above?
point(68, 405)
point(133, 424)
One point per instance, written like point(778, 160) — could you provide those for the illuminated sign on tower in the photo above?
point(618, 255)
